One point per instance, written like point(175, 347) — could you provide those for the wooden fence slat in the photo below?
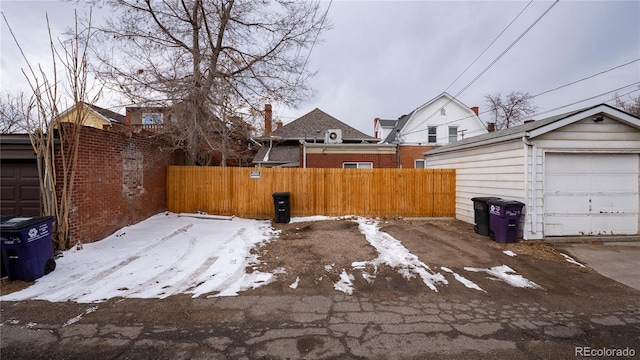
point(333, 192)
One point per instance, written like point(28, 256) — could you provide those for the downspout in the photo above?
point(534, 181)
point(304, 153)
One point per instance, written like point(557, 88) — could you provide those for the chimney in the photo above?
point(475, 109)
point(127, 116)
point(278, 124)
point(268, 119)
point(491, 127)
point(528, 121)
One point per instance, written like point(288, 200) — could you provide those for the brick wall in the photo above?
point(336, 160)
point(409, 153)
point(120, 180)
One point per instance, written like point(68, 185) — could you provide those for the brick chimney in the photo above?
point(127, 116)
point(475, 109)
point(491, 127)
point(278, 124)
point(268, 119)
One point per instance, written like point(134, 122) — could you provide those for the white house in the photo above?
point(441, 121)
point(577, 173)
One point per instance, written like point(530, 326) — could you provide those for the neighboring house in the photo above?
point(318, 140)
point(95, 116)
point(577, 173)
point(147, 118)
point(441, 121)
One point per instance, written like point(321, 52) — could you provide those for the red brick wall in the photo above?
point(408, 154)
point(336, 160)
point(120, 180)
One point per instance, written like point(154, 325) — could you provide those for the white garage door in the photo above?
point(591, 194)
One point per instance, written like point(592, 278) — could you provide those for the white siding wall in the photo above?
point(491, 170)
point(416, 130)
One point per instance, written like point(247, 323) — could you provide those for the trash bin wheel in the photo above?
point(49, 266)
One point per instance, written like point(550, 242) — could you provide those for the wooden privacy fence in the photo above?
point(247, 192)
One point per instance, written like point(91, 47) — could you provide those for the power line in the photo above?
point(487, 48)
point(587, 99)
point(585, 78)
point(493, 62)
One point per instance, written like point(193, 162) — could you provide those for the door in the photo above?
point(591, 194)
point(19, 188)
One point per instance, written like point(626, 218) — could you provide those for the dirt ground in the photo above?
point(317, 252)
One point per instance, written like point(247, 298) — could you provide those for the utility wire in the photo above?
point(487, 48)
point(493, 62)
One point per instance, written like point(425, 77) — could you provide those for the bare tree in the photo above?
point(12, 114)
point(56, 144)
point(511, 110)
point(210, 60)
point(632, 106)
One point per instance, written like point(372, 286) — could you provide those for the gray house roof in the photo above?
point(313, 125)
point(399, 124)
point(279, 154)
point(533, 128)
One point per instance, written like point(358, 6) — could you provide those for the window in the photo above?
point(432, 134)
point(420, 163)
point(443, 111)
point(453, 134)
point(151, 118)
point(357, 165)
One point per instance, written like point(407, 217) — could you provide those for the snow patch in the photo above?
point(571, 260)
point(466, 282)
point(508, 275)
point(295, 283)
point(392, 253)
point(345, 284)
point(510, 253)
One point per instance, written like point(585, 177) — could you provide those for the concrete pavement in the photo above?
point(312, 327)
point(619, 261)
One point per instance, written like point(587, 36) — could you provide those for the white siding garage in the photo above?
point(590, 194)
point(577, 173)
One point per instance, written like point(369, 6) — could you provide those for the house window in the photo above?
point(443, 111)
point(151, 118)
point(453, 134)
point(432, 134)
point(357, 165)
point(419, 163)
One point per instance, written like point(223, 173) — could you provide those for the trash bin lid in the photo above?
point(484, 199)
point(18, 223)
point(506, 203)
point(281, 194)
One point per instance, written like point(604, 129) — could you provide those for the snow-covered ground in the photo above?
point(169, 254)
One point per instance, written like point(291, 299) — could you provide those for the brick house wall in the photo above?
point(336, 160)
point(409, 153)
point(120, 180)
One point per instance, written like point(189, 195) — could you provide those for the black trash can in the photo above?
point(3, 271)
point(27, 251)
point(504, 220)
point(282, 205)
point(481, 214)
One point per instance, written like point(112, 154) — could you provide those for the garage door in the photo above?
point(591, 194)
point(20, 189)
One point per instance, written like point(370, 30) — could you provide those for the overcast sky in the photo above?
point(386, 58)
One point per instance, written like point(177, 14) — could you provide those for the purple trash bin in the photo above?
point(504, 220)
point(27, 251)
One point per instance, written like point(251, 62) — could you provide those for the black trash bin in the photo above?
point(504, 220)
point(481, 214)
point(27, 251)
point(282, 205)
point(3, 271)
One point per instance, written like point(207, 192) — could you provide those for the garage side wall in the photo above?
point(120, 180)
point(491, 170)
